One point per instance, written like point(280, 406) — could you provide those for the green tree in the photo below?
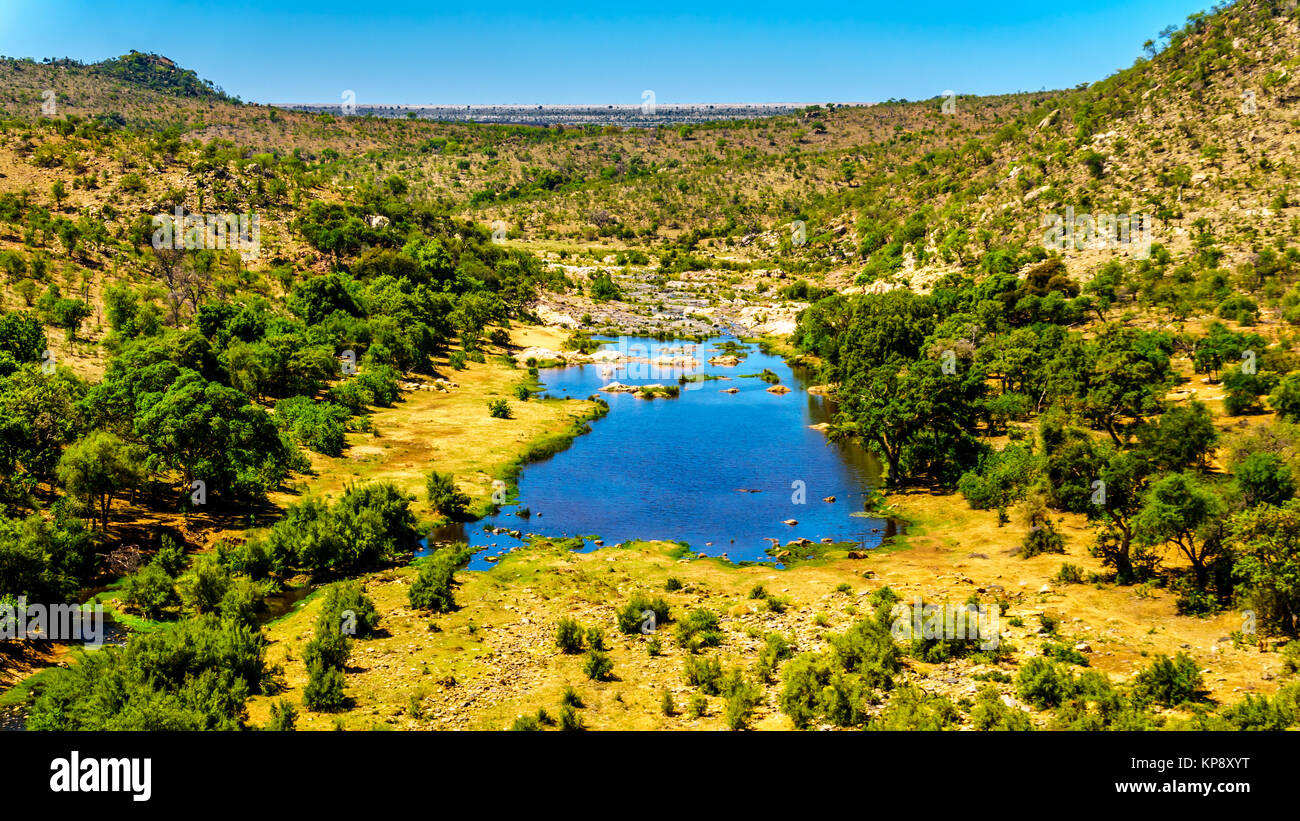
point(1182, 512)
point(1266, 539)
point(98, 467)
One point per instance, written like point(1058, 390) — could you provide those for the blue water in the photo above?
point(674, 468)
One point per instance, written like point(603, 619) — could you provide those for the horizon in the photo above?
point(410, 54)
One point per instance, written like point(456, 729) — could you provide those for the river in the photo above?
point(720, 471)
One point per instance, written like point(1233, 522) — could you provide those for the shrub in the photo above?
point(775, 650)
point(742, 697)
point(204, 585)
point(1069, 574)
point(699, 629)
point(526, 724)
point(642, 610)
point(1169, 682)
point(346, 604)
point(991, 713)
point(1043, 683)
point(570, 721)
point(568, 636)
point(444, 497)
point(284, 716)
point(196, 675)
point(698, 706)
point(319, 426)
point(570, 697)
point(324, 690)
point(912, 708)
point(704, 674)
point(432, 588)
point(598, 665)
point(151, 591)
point(329, 647)
point(498, 409)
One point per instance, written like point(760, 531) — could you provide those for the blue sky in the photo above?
point(503, 51)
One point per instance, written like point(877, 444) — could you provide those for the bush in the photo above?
point(775, 650)
point(1043, 683)
point(319, 426)
point(570, 721)
point(432, 588)
point(444, 497)
point(598, 665)
point(498, 409)
point(151, 591)
point(526, 724)
point(204, 585)
point(571, 698)
point(346, 604)
point(705, 674)
point(324, 690)
point(912, 708)
point(742, 697)
point(329, 647)
point(698, 706)
point(642, 610)
point(991, 713)
point(1069, 574)
point(195, 676)
point(699, 629)
point(568, 636)
point(284, 716)
point(1169, 682)
point(170, 556)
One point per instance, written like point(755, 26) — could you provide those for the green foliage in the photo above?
point(1180, 438)
point(151, 591)
point(346, 604)
point(1043, 683)
point(444, 497)
point(195, 676)
point(324, 692)
point(569, 636)
point(991, 713)
point(1169, 682)
point(700, 628)
point(632, 617)
point(1266, 541)
point(284, 716)
point(320, 426)
point(911, 708)
point(372, 523)
point(704, 673)
point(597, 665)
point(433, 586)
